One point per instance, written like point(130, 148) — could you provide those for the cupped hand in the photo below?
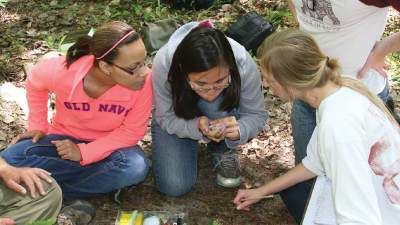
point(213, 134)
point(67, 149)
point(231, 127)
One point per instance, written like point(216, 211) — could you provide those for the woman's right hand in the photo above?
point(247, 197)
point(36, 135)
point(204, 127)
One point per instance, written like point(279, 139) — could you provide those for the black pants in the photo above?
point(296, 197)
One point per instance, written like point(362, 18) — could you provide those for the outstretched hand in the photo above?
point(245, 198)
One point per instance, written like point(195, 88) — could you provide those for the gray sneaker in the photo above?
point(77, 212)
point(228, 169)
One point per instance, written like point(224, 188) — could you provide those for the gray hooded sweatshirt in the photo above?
point(251, 110)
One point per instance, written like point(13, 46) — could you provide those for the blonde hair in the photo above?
point(294, 60)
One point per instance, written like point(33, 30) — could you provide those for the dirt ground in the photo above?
point(24, 25)
point(265, 157)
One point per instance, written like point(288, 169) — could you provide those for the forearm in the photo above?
point(389, 44)
point(294, 176)
point(37, 103)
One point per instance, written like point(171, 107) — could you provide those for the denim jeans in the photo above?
point(303, 120)
point(125, 167)
point(175, 159)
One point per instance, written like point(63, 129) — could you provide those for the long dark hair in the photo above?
point(202, 49)
point(103, 39)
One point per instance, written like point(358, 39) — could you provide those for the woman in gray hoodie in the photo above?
point(206, 87)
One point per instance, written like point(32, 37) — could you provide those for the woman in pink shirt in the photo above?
point(103, 101)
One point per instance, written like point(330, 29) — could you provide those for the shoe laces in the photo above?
point(227, 161)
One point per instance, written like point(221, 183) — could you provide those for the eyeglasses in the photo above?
point(133, 71)
point(219, 85)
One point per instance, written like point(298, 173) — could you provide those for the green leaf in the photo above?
point(43, 222)
point(3, 3)
point(213, 222)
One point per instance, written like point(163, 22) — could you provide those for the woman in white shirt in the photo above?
point(356, 143)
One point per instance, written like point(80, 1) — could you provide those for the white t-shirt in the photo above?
point(358, 149)
point(346, 30)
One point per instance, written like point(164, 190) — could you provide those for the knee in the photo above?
point(174, 186)
point(54, 193)
point(52, 199)
point(137, 169)
point(15, 152)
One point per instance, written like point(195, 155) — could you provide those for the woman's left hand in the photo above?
point(68, 150)
point(231, 127)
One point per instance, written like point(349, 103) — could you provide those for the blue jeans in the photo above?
point(175, 159)
point(303, 120)
point(122, 168)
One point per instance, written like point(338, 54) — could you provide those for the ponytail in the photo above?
point(79, 49)
point(333, 72)
point(359, 87)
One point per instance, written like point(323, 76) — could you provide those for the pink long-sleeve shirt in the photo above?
point(117, 119)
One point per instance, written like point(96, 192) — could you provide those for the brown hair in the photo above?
point(295, 60)
point(103, 39)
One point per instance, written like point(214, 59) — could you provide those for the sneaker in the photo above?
point(228, 169)
point(77, 212)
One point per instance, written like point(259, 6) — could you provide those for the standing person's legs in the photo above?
point(388, 100)
point(24, 209)
point(129, 165)
point(303, 120)
point(384, 94)
point(174, 162)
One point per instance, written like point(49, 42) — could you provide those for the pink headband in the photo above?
point(116, 44)
point(206, 23)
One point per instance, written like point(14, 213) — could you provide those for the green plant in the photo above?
point(3, 3)
point(279, 18)
point(394, 61)
point(51, 41)
point(43, 222)
point(68, 40)
point(213, 222)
